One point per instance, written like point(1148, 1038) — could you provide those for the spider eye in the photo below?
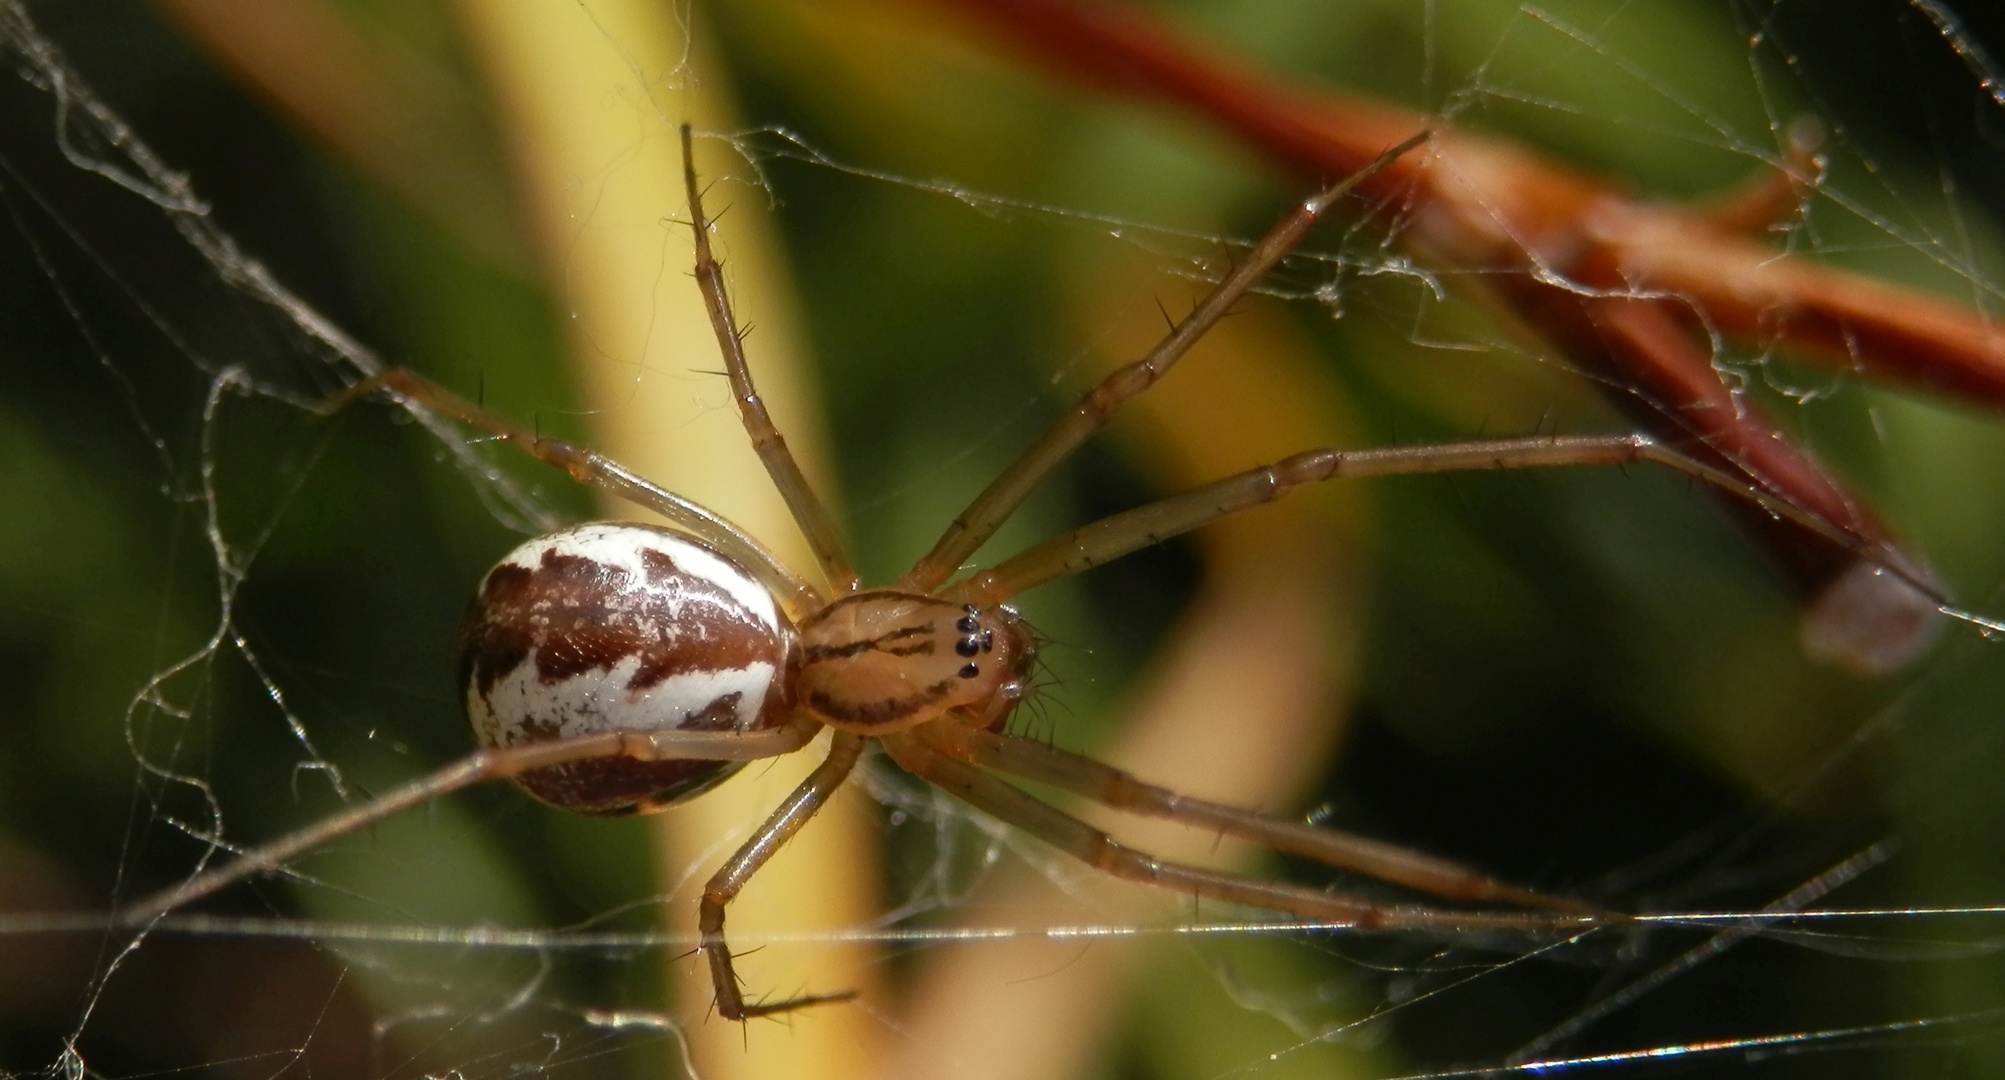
point(968, 646)
point(967, 625)
point(970, 671)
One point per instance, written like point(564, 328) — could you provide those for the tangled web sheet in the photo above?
point(224, 615)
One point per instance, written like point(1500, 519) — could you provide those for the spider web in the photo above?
point(226, 615)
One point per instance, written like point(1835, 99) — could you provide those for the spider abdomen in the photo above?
point(621, 627)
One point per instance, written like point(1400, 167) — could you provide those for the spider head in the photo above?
point(881, 662)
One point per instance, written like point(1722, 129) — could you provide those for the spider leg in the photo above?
point(724, 886)
point(476, 768)
point(813, 518)
point(1112, 537)
point(1031, 760)
point(1775, 196)
point(595, 470)
point(1097, 849)
point(1001, 498)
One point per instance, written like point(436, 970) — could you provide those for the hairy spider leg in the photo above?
point(808, 510)
point(597, 471)
point(1000, 499)
point(1118, 534)
point(477, 768)
point(723, 886)
point(1028, 759)
point(1100, 851)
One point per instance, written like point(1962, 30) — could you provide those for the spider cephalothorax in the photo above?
point(884, 661)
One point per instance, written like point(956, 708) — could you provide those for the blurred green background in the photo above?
point(1585, 682)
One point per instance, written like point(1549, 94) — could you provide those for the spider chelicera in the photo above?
point(620, 668)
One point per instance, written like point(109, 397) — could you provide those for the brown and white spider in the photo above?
point(621, 668)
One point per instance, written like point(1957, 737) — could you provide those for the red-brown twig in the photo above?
point(1623, 286)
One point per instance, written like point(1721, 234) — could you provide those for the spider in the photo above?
point(616, 668)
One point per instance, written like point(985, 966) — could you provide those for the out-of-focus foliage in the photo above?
point(1585, 682)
